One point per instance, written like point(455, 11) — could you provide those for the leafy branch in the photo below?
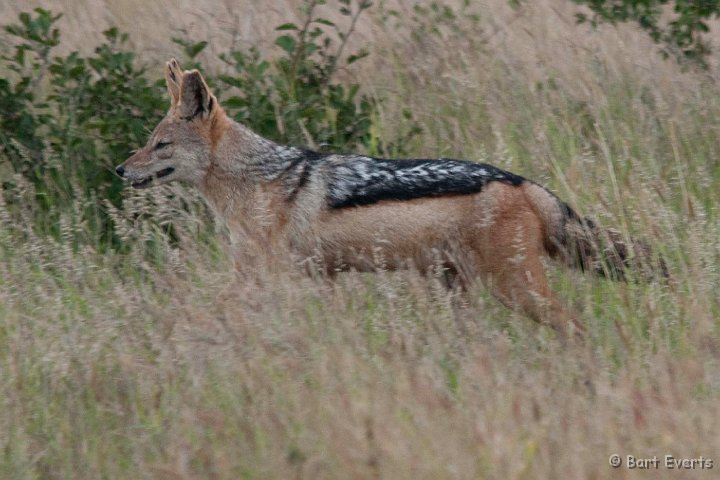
point(681, 34)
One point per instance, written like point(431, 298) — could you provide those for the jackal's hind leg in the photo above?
point(523, 287)
point(513, 268)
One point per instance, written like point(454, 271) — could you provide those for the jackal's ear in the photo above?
point(195, 96)
point(173, 78)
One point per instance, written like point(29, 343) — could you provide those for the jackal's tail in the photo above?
point(581, 243)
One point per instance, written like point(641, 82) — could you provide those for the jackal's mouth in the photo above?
point(147, 181)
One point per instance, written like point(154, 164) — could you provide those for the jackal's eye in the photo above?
point(161, 145)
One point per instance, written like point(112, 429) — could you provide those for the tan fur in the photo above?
point(497, 235)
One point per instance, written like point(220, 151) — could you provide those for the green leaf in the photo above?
point(25, 19)
point(235, 102)
point(232, 81)
point(193, 50)
point(287, 26)
point(358, 56)
point(324, 21)
point(286, 42)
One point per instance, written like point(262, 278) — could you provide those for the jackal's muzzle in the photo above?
point(142, 181)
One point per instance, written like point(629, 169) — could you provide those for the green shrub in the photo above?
point(294, 98)
point(681, 32)
point(67, 120)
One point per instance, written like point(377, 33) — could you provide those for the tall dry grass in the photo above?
point(111, 367)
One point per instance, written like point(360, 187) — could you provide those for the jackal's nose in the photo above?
point(120, 170)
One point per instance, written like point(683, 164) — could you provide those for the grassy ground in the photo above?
point(111, 367)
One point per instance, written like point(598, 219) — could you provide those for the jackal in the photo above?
point(473, 219)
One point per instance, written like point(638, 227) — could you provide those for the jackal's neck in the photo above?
point(243, 153)
point(242, 163)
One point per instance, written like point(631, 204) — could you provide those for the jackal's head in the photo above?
point(180, 146)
